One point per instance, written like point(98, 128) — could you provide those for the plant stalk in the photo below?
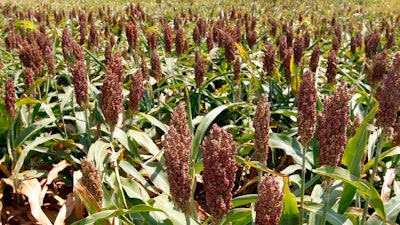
point(303, 184)
point(326, 200)
point(371, 179)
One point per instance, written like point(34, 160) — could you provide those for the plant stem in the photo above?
point(326, 200)
point(303, 183)
point(371, 179)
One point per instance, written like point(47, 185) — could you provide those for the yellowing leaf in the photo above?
point(29, 25)
point(242, 51)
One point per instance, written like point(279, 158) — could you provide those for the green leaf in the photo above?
point(154, 121)
point(38, 140)
point(98, 153)
point(116, 213)
point(244, 200)
point(129, 169)
point(352, 158)
point(238, 216)
point(388, 153)
point(331, 216)
point(144, 140)
point(291, 147)
point(290, 212)
point(362, 186)
point(32, 130)
point(157, 175)
point(392, 208)
point(203, 127)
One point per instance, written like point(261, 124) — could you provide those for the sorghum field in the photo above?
point(200, 112)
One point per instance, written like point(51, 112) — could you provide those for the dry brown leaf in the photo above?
point(387, 183)
point(65, 210)
point(32, 189)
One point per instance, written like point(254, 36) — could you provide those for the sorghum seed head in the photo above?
point(91, 179)
point(282, 44)
point(210, 41)
point(269, 59)
point(269, 205)
point(49, 60)
point(80, 82)
point(144, 68)
point(136, 90)
point(28, 80)
point(177, 143)
point(199, 69)
point(167, 37)
point(331, 70)
point(261, 130)
point(298, 48)
point(156, 70)
point(389, 96)
point(152, 41)
point(236, 69)
point(371, 44)
point(93, 36)
point(179, 41)
point(379, 69)
point(229, 48)
point(196, 35)
point(314, 59)
point(111, 95)
point(288, 53)
point(332, 125)
point(219, 170)
point(306, 107)
point(10, 96)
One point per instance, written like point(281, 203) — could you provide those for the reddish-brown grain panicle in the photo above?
point(49, 60)
point(236, 69)
point(136, 90)
point(10, 97)
point(167, 37)
point(219, 171)
point(79, 79)
point(269, 59)
point(210, 41)
point(371, 44)
point(82, 28)
point(379, 69)
point(298, 48)
point(389, 96)
point(156, 70)
point(144, 68)
point(196, 35)
point(314, 59)
point(332, 125)
point(288, 53)
point(115, 65)
point(199, 69)
point(269, 204)
point(177, 144)
point(331, 70)
point(179, 41)
point(152, 41)
point(111, 94)
point(273, 27)
point(261, 130)
point(93, 36)
point(91, 180)
point(28, 80)
point(229, 45)
point(282, 44)
point(131, 35)
point(31, 56)
point(306, 107)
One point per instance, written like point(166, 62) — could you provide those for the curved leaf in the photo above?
point(331, 216)
point(203, 127)
point(290, 212)
point(352, 158)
